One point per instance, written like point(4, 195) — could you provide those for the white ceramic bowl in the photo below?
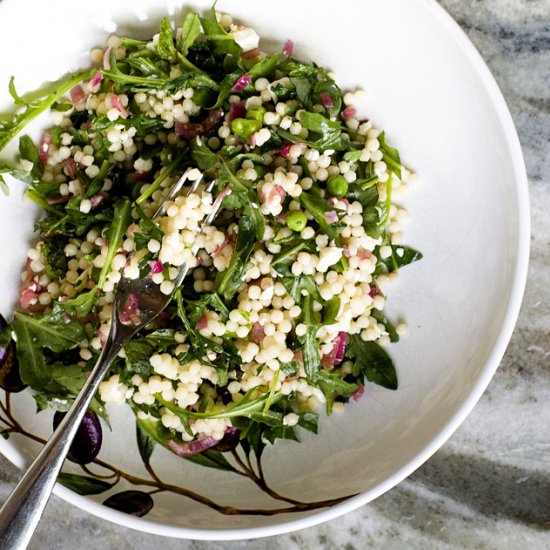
point(429, 89)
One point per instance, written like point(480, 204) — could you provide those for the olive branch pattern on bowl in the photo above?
point(100, 476)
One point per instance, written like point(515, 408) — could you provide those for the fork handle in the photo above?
point(22, 511)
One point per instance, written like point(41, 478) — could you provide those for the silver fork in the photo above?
point(22, 511)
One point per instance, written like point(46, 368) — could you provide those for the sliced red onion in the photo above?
point(363, 254)
point(346, 251)
point(241, 83)
point(117, 104)
point(279, 191)
point(373, 292)
point(30, 291)
point(220, 248)
point(95, 82)
point(192, 447)
point(140, 176)
point(97, 199)
point(326, 100)
point(285, 150)
point(28, 298)
point(221, 195)
point(69, 167)
point(190, 130)
point(130, 314)
point(238, 110)
point(357, 395)
point(288, 48)
point(58, 199)
point(251, 54)
point(229, 441)
point(331, 217)
point(44, 147)
point(156, 266)
point(77, 94)
point(337, 352)
point(257, 334)
point(107, 59)
point(349, 112)
point(203, 322)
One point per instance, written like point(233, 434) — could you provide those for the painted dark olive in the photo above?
point(88, 438)
point(10, 380)
point(228, 442)
point(136, 503)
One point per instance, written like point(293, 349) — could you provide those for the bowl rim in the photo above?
point(491, 365)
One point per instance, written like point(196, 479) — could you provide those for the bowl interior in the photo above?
point(427, 87)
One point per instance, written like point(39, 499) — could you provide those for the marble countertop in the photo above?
point(489, 485)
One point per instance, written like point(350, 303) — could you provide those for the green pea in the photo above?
point(244, 127)
point(337, 186)
point(291, 107)
point(256, 113)
point(296, 220)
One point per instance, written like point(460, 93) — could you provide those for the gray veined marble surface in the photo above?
point(489, 485)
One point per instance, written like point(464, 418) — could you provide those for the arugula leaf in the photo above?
point(309, 421)
point(9, 129)
point(80, 305)
point(196, 308)
point(372, 361)
point(401, 256)
point(333, 385)
point(142, 122)
point(53, 331)
point(230, 280)
point(246, 406)
point(17, 173)
point(310, 350)
point(165, 46)
point(121, 221)
point(13, 92)
point(329, 130)
point(138, 353)
point(32, 365)
point(83, 485)
point(203, 156)
point(149, 230)
point(265, 67)
point(190, 30)
point(388, 325)
point(53, 250)
point(223, 42)
point(390, 155)
point(326, 90)
point(317, 206)
point(29, 151)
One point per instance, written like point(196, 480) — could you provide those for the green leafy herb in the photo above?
point(372, 361)
point(9, 129)
point(165, 46)
point(121, 220)
point(190, 30)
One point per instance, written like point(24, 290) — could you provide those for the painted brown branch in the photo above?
point(99, 476)
point(157, 485)
point(259, 479)
point(152, 472)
